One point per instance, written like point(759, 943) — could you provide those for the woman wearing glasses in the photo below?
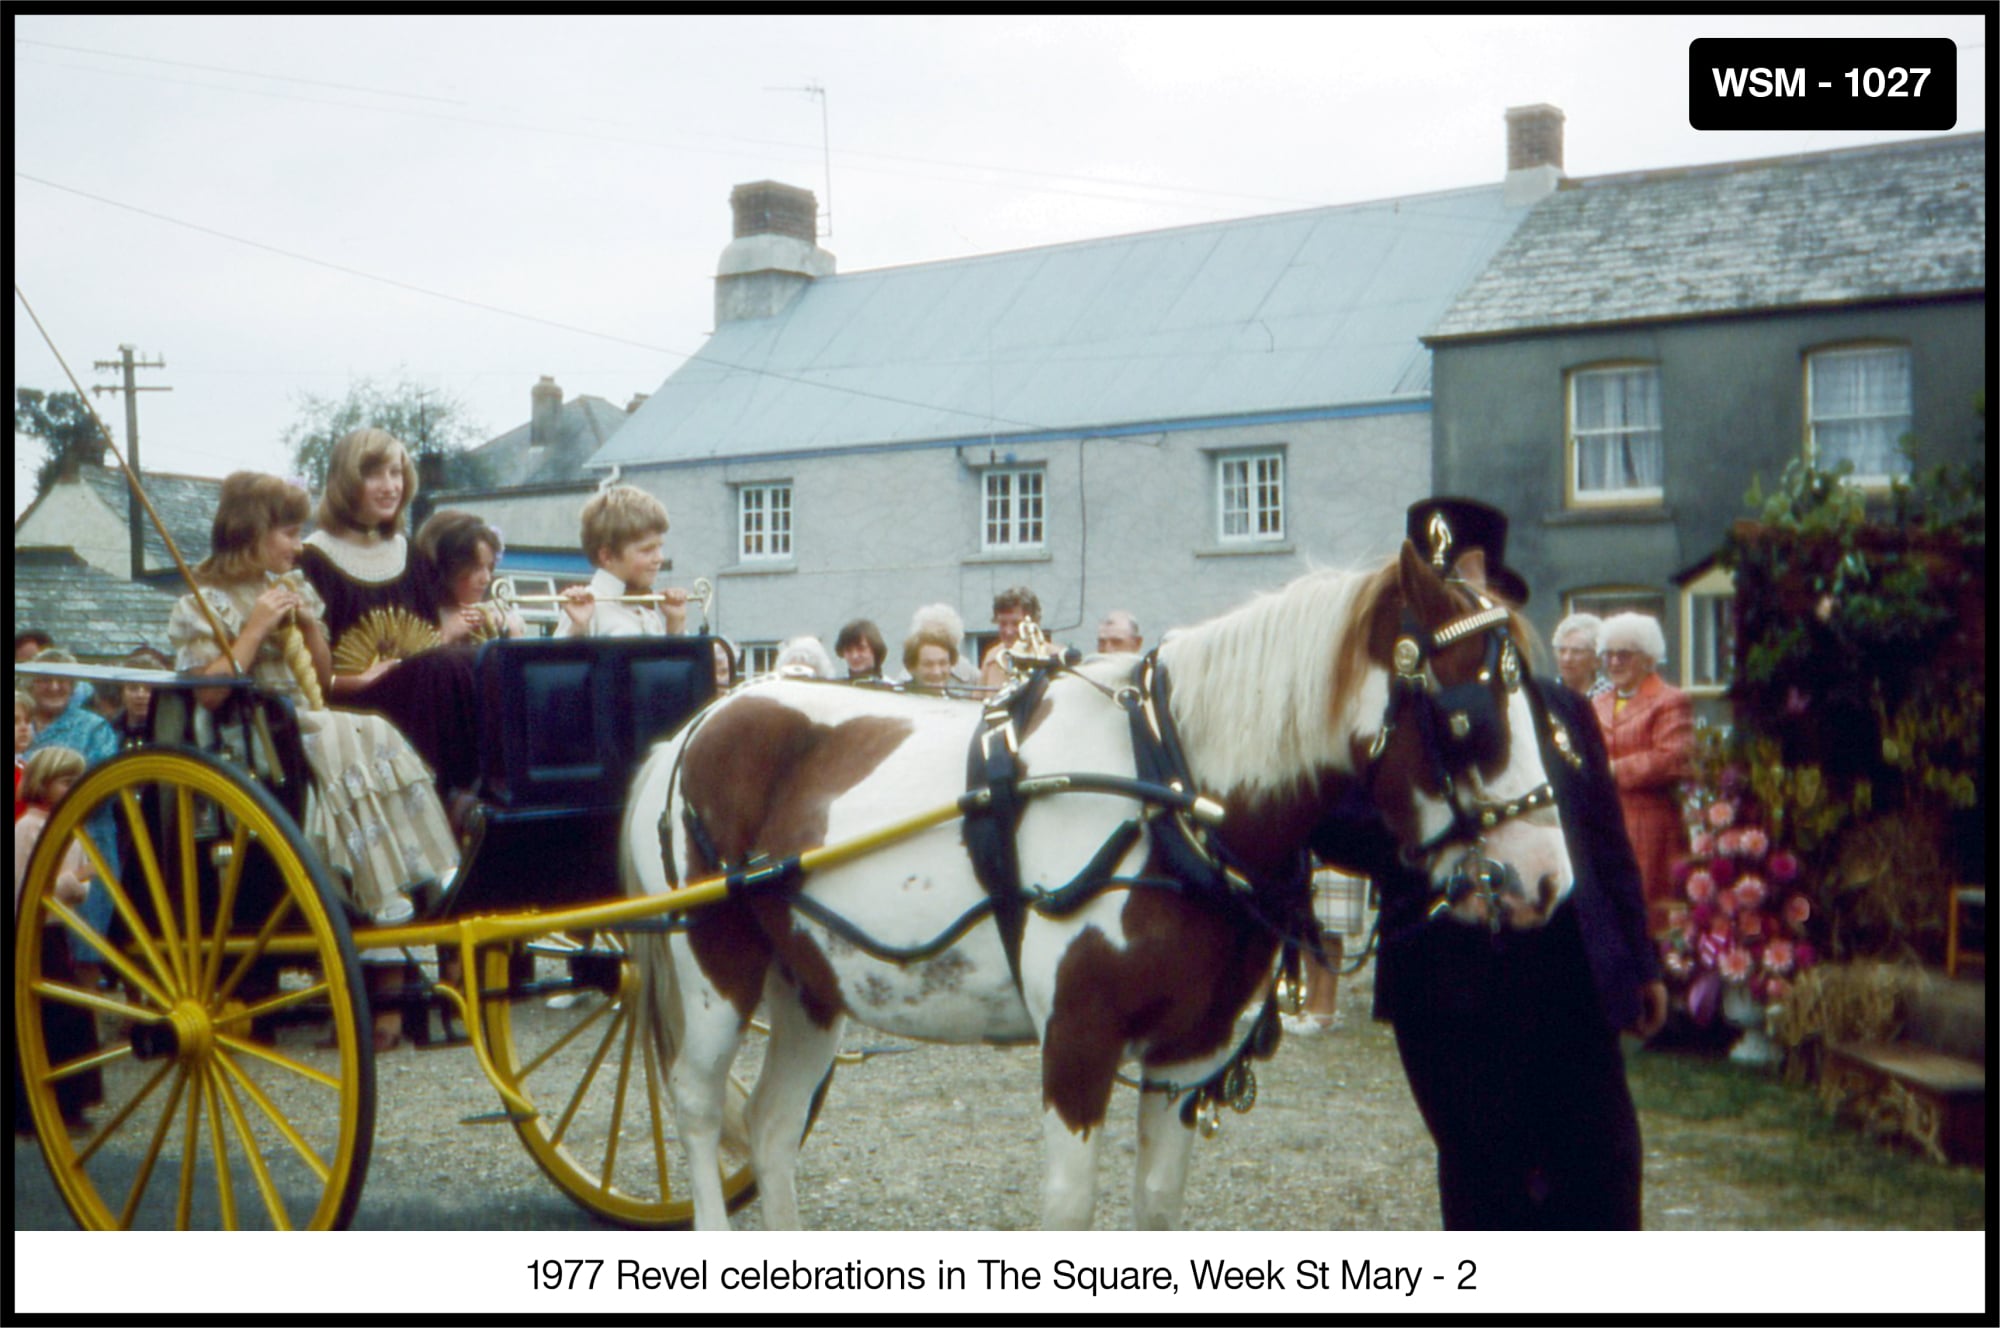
point(1648, 733)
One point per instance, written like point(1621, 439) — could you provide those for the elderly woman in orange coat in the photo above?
point(1648, 733)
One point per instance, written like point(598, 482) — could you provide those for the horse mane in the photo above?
point(1264, 694)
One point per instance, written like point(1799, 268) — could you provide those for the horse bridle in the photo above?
point(1458, 728)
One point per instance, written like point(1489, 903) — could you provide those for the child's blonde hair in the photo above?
point(617, 516)
point(22, 701)
point(353, 457)
point(44, 768)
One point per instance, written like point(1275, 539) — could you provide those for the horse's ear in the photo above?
point(1423, 589)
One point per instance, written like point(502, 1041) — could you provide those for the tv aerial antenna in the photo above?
point(818, 93)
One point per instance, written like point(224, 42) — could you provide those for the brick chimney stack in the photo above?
point(775, 254)
point(545, 419)
point(1534, 153)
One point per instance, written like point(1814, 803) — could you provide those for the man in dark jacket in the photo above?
point(1510, 1040)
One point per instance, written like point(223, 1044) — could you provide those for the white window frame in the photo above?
point(1708, 626)
point(1640, 431)
point(758, 658)
point(1013, 509)
point(1899, 414)
point(764, 522)
point(1250, 493)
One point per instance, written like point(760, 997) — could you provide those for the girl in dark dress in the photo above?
point(382, 610)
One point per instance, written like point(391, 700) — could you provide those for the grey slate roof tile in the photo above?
point(97, 617)
point(185, 502)
point(1883, 222)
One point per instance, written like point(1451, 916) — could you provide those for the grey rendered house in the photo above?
point(1647, 344)
point(1162, 422)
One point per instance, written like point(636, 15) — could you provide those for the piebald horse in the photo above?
point(1393, 682)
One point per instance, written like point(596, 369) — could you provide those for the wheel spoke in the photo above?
point(156, 887)
point(110, 953)
point(278, 1120)
point(154, 1147)
point(283, 1062)
point(199, 976)
point(611, 1133)
point(162, 971)
point(190, 1154)
point(225, 905)
point(589, 1076)
point(595, 1016)
point(225, 1192)
point(258, 945)
point(274, 1204)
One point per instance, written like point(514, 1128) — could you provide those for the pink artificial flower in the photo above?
point(1797, 909)
point(1728, 843)
point(1677, 917)
point(1750, 892)
point(1804, 956)
point(1752, 842)
point(1702, 844)
point(1776, 989)
point(1779, 956)
point(1734, 964)
point(1726, 903)
point(1721, 813)
point(1783, 867)
point(1751, 923)
point(1701, 887)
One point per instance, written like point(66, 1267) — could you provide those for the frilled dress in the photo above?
point(373, 813)
point(382, 603)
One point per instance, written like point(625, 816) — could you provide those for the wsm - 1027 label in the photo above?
point(1823, 83)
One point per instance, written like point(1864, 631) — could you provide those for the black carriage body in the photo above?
point(565, 724)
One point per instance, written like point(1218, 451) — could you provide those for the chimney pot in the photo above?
point(1534, 137)
point(545, 420)
point(638, 400)
point(767, 207)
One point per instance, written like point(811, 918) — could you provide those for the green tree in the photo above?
point(430, 423)
point(63, 423)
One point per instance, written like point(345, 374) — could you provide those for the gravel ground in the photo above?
point(949, 1138)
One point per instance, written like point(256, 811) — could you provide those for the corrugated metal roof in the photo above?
point(1294, 312)
point(1883, 222)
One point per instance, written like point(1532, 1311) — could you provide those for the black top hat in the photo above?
point(1444, 528)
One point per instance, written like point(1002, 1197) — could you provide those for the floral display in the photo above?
point(1743, 913)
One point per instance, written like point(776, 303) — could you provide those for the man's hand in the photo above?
point(1652, 1009)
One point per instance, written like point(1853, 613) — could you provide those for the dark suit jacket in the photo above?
point(1445, 963)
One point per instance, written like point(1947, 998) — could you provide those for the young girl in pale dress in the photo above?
point(373, 812)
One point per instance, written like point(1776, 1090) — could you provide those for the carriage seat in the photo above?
point(564, 724)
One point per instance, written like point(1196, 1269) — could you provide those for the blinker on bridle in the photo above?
point(1459, 727)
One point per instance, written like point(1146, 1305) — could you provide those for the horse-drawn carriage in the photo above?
point(611, 934)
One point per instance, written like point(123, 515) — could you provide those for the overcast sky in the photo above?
point(280, 205)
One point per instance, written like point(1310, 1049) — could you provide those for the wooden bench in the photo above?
point(1935, 1099)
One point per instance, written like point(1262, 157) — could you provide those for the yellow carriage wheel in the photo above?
point(558, 1012)
point(232, 1085)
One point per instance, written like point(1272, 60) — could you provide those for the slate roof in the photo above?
point(1875, 223)
point(186, 503)
point(1301, 311)
point(584, 425)
point(91, 614)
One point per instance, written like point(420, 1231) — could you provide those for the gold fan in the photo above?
point(385, 633)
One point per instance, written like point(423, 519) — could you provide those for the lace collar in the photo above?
point(373, 563)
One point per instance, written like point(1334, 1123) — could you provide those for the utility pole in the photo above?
point(135, 514)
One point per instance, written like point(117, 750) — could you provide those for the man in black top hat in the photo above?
point(1510, 1040)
